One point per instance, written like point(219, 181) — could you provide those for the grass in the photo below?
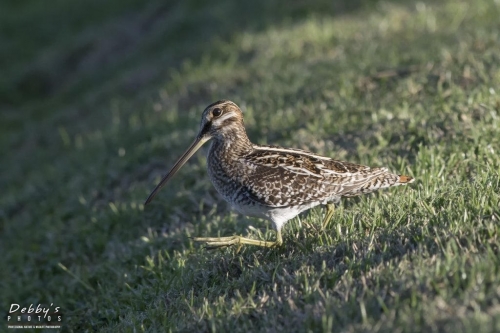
point(99, 100)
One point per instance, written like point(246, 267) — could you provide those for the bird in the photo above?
point(272, 182)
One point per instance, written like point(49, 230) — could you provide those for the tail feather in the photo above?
point(372, 184)
point(405, 180)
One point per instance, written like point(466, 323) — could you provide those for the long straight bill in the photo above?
point(187, 154)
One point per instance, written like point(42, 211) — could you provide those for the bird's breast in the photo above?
point(225, 174)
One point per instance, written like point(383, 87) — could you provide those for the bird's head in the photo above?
point(222, 120)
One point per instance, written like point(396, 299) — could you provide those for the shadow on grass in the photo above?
point(277, 276)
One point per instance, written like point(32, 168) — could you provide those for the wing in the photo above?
point(285, 177)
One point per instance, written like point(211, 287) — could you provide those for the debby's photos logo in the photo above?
point(34, 316)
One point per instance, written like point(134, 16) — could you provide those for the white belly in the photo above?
point(277, 215)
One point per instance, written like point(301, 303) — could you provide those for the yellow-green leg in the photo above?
point(330, 208)
point(215, 242)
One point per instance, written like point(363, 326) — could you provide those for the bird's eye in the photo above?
point(216, 112)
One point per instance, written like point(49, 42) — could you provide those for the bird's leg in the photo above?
point(330, 208)
point(215, 242)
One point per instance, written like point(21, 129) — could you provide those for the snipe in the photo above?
point(271, 182)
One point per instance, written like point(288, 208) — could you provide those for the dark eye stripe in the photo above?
point(216, 112)
point(227, 122)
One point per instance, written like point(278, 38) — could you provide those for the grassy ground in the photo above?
point(99, 100)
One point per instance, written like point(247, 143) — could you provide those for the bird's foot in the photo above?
point(217, 242)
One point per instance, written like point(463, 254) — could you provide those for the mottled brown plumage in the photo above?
point(273, 182)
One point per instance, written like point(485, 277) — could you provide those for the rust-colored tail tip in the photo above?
point(406, 179)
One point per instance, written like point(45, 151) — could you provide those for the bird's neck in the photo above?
point(233, 143)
